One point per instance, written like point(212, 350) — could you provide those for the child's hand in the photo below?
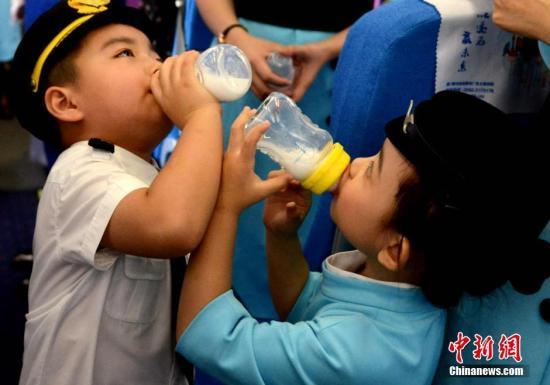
point(241, 187)
point(285, 210)
point(178, 91)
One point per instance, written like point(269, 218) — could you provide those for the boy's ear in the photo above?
point(396, 254)
point(61, 104)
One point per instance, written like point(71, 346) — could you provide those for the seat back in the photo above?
point(390, 58)
point(387, 60)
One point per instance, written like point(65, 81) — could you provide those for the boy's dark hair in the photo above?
point(44, 55)
point(475, 209)
point(64, 71)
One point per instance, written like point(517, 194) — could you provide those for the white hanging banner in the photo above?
point(477, 57)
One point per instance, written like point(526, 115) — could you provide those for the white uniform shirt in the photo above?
point(95, 316)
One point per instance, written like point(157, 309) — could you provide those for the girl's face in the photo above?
point(364, 201)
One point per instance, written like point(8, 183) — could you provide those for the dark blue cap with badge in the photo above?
point(54, 35)
point(477, 153)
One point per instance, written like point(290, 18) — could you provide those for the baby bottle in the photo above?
point(225, 71)
point(282, 66)
point(298, 145)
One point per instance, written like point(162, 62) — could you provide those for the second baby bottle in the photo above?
point(225, 71)
point(298, 145)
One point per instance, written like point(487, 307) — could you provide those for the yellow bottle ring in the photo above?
point(329, 171)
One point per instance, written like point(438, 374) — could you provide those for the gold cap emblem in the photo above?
point(89, 6)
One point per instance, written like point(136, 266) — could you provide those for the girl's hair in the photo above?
point(467, 247)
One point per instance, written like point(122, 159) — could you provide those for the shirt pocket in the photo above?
point(137, 289)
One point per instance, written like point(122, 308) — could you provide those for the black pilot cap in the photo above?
point(486, 163)
point(49, 39)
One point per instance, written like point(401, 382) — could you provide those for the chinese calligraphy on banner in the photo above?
point(476, 57)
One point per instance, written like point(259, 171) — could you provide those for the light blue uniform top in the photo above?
point(342, 330)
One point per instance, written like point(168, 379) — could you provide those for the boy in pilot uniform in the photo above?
point(89, 81)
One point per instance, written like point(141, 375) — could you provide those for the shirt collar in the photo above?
point(344, 285)
point(347, 264)
point(130, 162)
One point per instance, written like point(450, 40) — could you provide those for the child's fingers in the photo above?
point(291, 209)
point(272, 185)
point(253, 136)
point(155, 85)
point(277, 173)
point(295, 182)
point(243, 117)
point(274, 173)
point(191, 56)
point(237, 129)
point(165, 72)
point(179, 69)
point(188, 60)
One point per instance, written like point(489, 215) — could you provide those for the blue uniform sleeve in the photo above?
point(227, 343)
point(298, 310)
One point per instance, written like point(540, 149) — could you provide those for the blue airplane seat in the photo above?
point(387, 60)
